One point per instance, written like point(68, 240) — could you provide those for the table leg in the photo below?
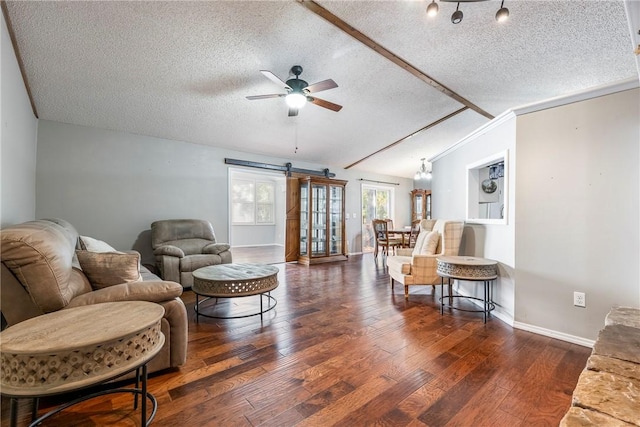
point(261, 310)
point(197, 308)
point(14, 412)
point(135, 399)
point(143, 417)
point(441, 296)
point(34, 410)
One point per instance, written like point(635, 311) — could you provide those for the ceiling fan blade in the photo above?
point(268, 74)
point(325, 104)
point(293, 112)
point(320, 86)
point(273, 95)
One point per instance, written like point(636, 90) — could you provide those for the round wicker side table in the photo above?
point(472, 269)
point(79, 347)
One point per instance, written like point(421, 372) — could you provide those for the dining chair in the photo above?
point(383, 239)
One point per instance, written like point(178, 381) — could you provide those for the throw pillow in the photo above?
point(417, 248)
point(94, 245)
point(431, 243)
point(104, 269)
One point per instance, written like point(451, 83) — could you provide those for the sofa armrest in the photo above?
point(215, 248)
point(153, 291)
point(169, 250)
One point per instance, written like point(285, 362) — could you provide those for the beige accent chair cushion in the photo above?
point(104, 269)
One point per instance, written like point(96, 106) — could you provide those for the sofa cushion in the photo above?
point(39, 254)
point(94, 245)
point(194, 262)
point(104, 269)
point(216, 248)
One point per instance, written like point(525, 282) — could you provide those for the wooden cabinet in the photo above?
point(420, 204)
point(322, 226)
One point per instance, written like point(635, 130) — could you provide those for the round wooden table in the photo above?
point(472, 269)
point(75, 348)
point(235, 280)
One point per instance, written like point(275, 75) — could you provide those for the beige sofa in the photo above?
point(40, 274)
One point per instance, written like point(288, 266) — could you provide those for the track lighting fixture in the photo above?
point(502, 14)
point(456, 18)
point(432, 10)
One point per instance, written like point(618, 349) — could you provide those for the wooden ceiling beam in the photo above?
point(367, 41)
point(422, 129)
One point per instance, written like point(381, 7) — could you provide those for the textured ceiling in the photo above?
point(181, 70)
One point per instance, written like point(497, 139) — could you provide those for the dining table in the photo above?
point(402, 232)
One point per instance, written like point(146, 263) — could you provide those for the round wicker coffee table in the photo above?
point(234, 280)
point(79, 347)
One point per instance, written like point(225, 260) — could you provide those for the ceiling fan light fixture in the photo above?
point(456, 18)
point(432, 9)
point(296, 100)
point(502, 14)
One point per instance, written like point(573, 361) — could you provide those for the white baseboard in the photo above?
point(256, 245)
point(506, 318)
point(554, 334)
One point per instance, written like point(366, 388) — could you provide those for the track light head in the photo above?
point(432, 9)
point(502, 14)
point(456, 18)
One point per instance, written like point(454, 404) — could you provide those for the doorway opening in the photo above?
point(377, 203)
point(256, 216)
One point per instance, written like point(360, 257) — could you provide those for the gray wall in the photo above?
point(112, 185)
point(573, 218)
point(18, 138)
point(493, 241)
point(578, 218)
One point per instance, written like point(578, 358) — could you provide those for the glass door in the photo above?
point(377, 203)
point(304, 218)
point(335, 226)
point(319, 215)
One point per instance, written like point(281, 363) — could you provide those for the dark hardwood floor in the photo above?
point(341, 349)
point(267, 254)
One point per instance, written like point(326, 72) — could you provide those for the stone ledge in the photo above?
point(614, 366)
point(610, 394)
point(608, 390)
point(580, 417)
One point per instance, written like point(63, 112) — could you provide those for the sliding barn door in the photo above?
point(292, 229)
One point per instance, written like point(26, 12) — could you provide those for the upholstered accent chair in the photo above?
point(417, 266)
point(384, 240)
point(182, 246)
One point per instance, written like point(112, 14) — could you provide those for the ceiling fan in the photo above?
point(298, 91)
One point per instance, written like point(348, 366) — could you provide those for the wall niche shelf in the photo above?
point(487, 190)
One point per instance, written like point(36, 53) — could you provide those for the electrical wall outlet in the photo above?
point(579, 299)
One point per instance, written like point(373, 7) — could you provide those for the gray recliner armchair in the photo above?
point(182, 246)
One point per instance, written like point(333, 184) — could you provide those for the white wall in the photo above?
point(18, 138)
point(577, 213)
point(449, 189)
point(112, 185)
